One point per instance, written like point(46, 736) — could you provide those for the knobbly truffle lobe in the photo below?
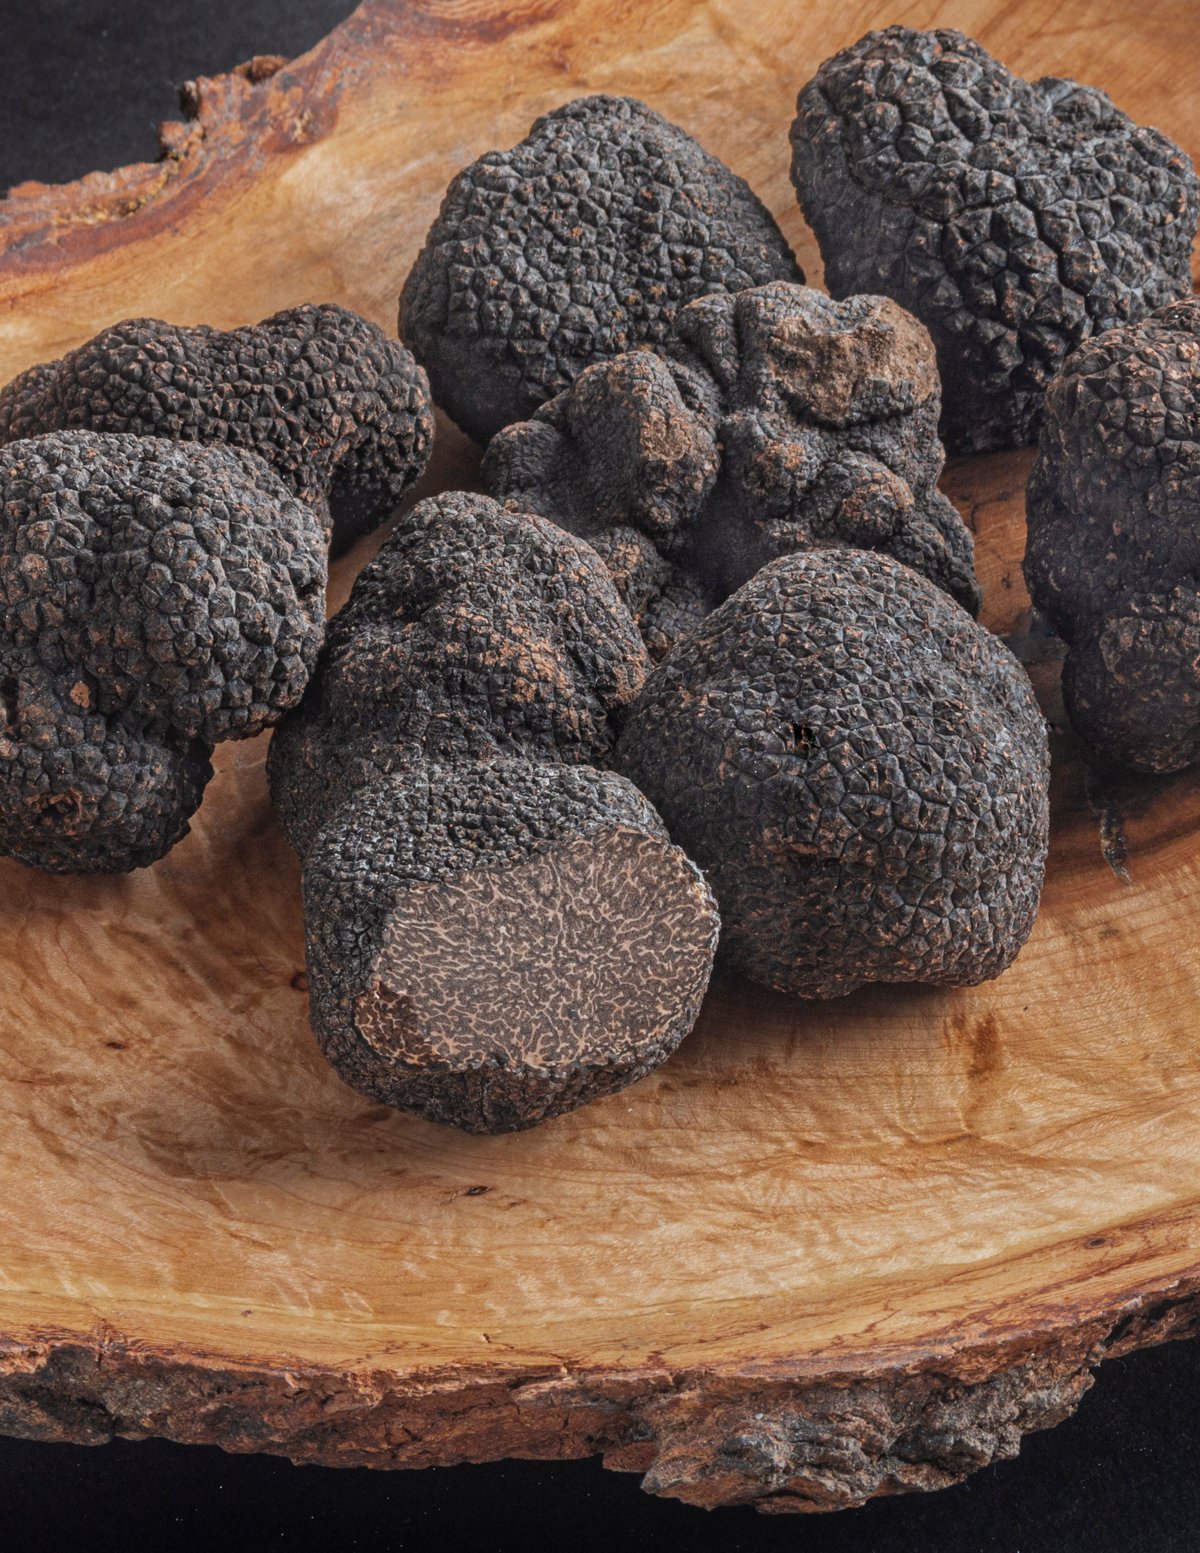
point(781, 421)
point(473, 632)
point(1113, 550)
point(493, 944)
point(341, 412)
point(579, 243)
point(154, 599)
point(1014, 218)
point(860, 770)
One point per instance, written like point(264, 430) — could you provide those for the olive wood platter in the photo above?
point(828, 1250)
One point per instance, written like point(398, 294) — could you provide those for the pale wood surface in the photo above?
point(827, 1250)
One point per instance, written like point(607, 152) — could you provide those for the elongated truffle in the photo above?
point(775, 421)
point(1014, 218)
point(1113, 550)
point(155, 598)
point(496, 943)
point(579, 243)
point(496, 932)
point(860, 770)
point(340, 412)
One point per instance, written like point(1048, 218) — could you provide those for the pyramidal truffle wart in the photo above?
point(1014, 218)
point(155, 598)
point(1113, 550)
point(776, 420)
point(581, 242)
point(341, 412)
point(860, 769)
point(496, 932)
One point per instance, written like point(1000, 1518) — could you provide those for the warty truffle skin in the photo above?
point(155, 598)
point(493, 944)
point(776, 420)
point(341, 412)
point(860, 770)
point(1113, 550)
point(496, 931)
point(1014, 218)
point(473, 632)
point(579, 243)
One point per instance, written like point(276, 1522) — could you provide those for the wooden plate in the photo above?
point(827, 1251)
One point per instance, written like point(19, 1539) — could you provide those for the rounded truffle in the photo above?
point(154, 599)
point(860, 770)
point(340, 412)
point(1014, 218)
point(473, 632)
point(579, 243)
point(782, 421)
point(493, 944)
point(1113, 550)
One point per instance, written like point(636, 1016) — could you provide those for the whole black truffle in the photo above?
point(581, 242)
point(473, 632)
point(155, 598)
point(493, 944)
point(341, 412)
point(861, 771)
point(496, 932)
point(1014, 218)
point(1113, 550)
point(782, 421)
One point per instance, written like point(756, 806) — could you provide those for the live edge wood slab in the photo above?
point(828, 1251)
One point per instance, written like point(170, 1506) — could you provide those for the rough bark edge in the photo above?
point(764, 1439)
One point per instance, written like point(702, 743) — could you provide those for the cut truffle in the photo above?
point(861, 771)
point(493, 944)
point(473, 632)
point(154, 599)
point(1113, 550)
point(1014, 218)
point(781, 422)
point(496, 931)
point(578, 244)
point(340, 412)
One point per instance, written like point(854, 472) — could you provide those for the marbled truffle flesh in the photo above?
point(1113, 550)
point(497, 932)
point(1014, 218)
point(341, 412)
point(490, 945)
point(779, 421)
point(155, 598)
point(860, 770)
point(581, 242)
point(474, 632)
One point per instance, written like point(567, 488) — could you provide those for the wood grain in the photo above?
point(827, 1251)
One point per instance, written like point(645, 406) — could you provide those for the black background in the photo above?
point(82, 85)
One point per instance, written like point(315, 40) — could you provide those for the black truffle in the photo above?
point(155, 598)
point(1014, 218)
point(496, 932)
point(861, 771)
point(341, 412)
point(493, 944)
point(1113, 553)
point(579, 243)
point(473, 632)
point(781, 422)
